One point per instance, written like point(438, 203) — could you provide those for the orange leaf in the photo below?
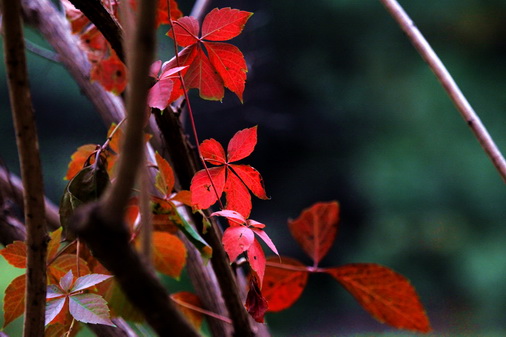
point(184, 197)
point(15, 254)
point(165, 178)
point(386, 295)
point(184, 301)
point(54, 243)
point(66, 262)
point(282, 287)
point(14, 300)
point(316, 228)
point(78, 159)
point(169, 254)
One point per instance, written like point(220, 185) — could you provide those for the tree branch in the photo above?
point(101, 225)
point(442, 74)
point(54, 27)
point(31, 171)
point(12, 189)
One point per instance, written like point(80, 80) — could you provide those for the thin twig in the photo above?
point(442, 74)
point(31, 170)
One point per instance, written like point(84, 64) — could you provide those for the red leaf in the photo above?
point(160, 93)
point(203, 76)
point(238, 197)
point(236, 240)
point(226, 65)
point(263, 235)
point(242, 144)
point(15, 254)
point(163, 11)
point(186, 30)
point(111, 74)
point(256, 304)
point(14, 300)
point(316, 228)
point(386, 295)
point(89, 308)
point(203, 194)
point(229, 62)
point(256, 259)
point(169, 254)
point(239, 178)
point(236, 217)
point(252, 179)
point(282, 286)
point(213, 152)
point(224, 24)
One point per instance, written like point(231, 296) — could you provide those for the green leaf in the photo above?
point(86, 186)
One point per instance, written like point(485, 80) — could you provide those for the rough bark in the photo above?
point(31, 171)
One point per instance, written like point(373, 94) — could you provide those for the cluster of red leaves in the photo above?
point(223, 65)
point(386, 295)
point(107, 68)
point(235, 180)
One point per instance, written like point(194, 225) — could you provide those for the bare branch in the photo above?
point(12, 188)
point(442, 74)
point(31, 171)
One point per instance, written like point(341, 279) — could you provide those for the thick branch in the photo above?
point(31, 171)
point(140, 57)
point(442, 74)
point(54, 27)
point(110, 244)
point(104, 21)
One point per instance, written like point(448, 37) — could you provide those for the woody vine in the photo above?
point(127, 210)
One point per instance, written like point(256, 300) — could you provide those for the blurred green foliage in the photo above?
point(347, 110)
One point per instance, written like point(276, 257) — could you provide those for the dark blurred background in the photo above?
point(348, 111)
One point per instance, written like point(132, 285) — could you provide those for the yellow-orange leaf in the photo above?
point(15, 254)
point(386, 295)
point(78, 160)
point(54, 243)
point(14, 300)
point(184, 302)
point(165, 177)
point(169, 254)
point(282, 286)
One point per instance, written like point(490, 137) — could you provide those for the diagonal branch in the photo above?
point(31, 170)
point(104, 21)
point(442, 74)
point(42, 15)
